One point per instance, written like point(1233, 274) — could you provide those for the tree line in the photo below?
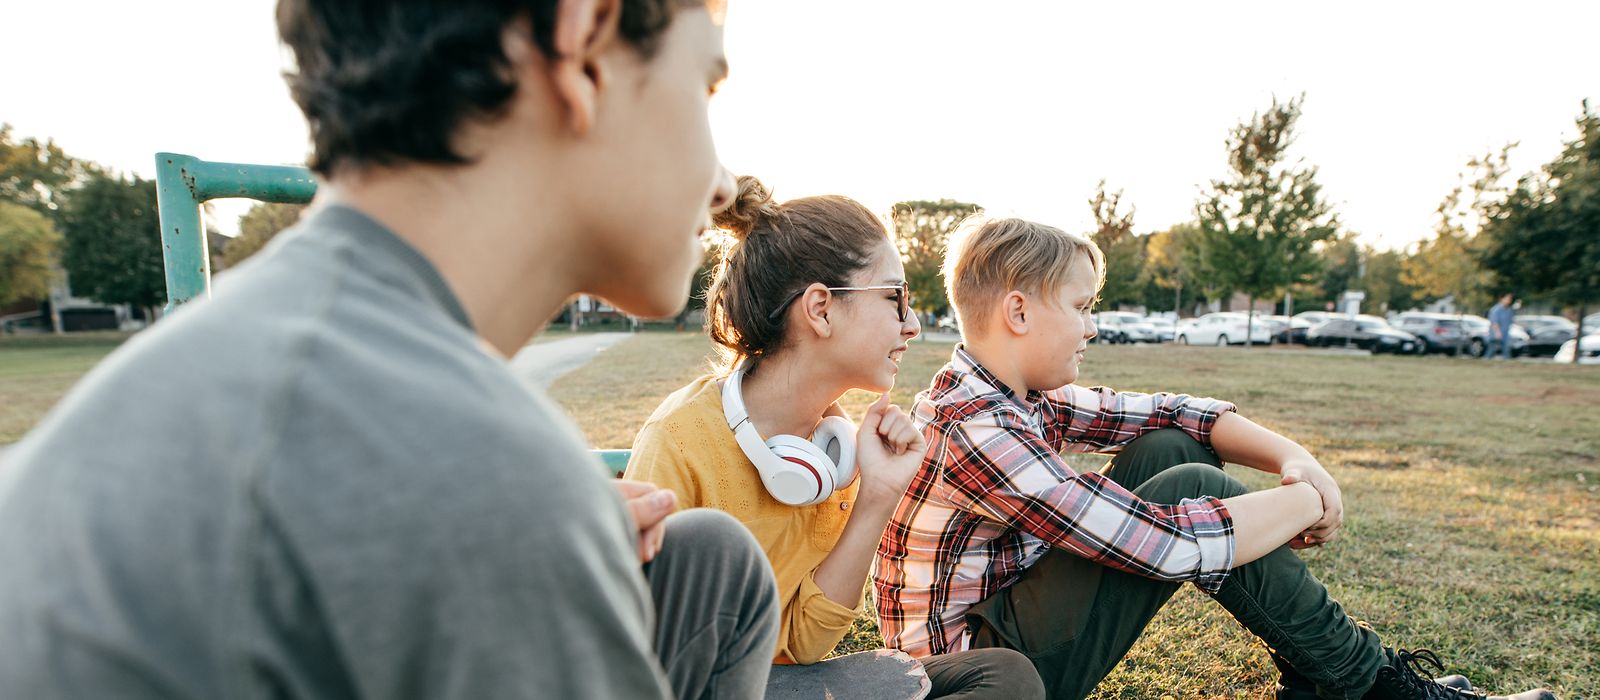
point(1265, 230)
point(61, 213)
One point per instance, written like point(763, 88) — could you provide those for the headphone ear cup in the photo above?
point(836, 437)
point(813, 473)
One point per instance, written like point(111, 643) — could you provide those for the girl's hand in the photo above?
point(889, 451)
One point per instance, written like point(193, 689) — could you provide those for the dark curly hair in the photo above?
point(390, 81)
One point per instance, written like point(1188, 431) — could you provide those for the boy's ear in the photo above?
point(584, 30)
point(1014, 312)
point(814, 303)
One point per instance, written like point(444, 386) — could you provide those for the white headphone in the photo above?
point(796, 471)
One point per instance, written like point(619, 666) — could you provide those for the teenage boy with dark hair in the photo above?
point(325, 482)
point(1000, 543)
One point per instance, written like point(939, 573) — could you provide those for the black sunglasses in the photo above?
point(902, 298)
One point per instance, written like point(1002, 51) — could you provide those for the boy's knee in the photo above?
point(1191, 480)
point(1173, 446)
point(1010, 674)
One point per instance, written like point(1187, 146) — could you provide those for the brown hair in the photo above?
point(777, 250)
point(987, 260)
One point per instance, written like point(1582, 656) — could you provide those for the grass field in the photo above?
point(35, 370)
point(1472, 490)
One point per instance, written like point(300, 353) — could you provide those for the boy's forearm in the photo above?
point(1240, 440)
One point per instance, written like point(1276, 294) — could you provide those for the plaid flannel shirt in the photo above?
point(994, 494)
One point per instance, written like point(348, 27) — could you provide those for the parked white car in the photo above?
point(1591, 350)
point(1223, 328)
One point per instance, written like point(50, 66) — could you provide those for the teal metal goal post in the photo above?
point(183, 183)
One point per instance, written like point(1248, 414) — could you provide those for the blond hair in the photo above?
point(988, 259)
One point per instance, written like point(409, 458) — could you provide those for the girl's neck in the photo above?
point(788, 395)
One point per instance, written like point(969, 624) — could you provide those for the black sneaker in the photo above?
point(1293, 686)
point(1403, 678)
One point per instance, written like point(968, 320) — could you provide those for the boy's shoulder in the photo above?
point(960, 395)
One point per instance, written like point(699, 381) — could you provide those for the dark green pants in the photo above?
point(1002, 674)
point(1076, 619)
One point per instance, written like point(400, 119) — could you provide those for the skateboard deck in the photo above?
point(883, 674)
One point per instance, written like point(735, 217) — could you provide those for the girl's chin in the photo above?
point(878, 384)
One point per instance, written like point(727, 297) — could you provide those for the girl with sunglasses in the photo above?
point(808, 302)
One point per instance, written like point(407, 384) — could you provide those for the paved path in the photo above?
point(541, 363)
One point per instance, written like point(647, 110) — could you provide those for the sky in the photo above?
point(1021, 107)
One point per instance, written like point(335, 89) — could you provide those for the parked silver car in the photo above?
point(1455, 332)
point(1166, 328)
point(1123, 327)
point(1479, 340)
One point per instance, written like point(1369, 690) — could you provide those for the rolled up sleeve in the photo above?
point(1102, 419)
point(813, 623)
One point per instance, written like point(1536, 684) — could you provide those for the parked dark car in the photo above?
point(1299, 324)
point(1546, 333)
point(1365, 332)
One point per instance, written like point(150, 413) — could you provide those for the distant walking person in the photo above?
point(1500, 319)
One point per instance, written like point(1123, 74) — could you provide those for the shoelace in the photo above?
point(1418, 661)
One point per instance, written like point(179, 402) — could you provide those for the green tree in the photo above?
point(1544, 239)
point(113, 241)
point(35, 174)
point(1260, 227)
point(257, 227)
point(922, 231)
point(1166, 263)
point(1341, 261)
point(1381, 281)
point(1200, 267)
point(29, 245)
point(1449, 263)
point(1124, 252)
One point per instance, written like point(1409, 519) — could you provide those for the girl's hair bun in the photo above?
point(752, 202)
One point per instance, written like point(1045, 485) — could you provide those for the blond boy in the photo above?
point(1000, 543)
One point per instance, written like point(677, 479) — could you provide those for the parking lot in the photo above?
point(1534, 339)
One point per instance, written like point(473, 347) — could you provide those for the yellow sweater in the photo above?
point(686, 446)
